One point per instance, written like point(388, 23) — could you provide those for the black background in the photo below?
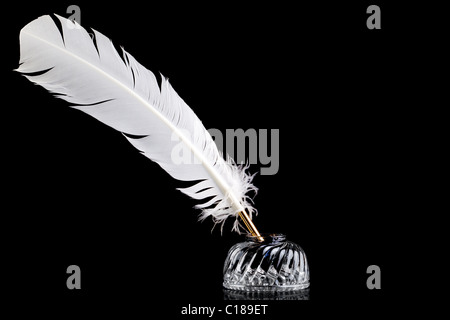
point(80, 194)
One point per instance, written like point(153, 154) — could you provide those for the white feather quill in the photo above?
point(90, 74)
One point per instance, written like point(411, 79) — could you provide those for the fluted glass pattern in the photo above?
point(274, 264)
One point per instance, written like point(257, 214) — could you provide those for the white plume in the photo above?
point(91, 75)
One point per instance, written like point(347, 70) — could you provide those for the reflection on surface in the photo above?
point(243, 295)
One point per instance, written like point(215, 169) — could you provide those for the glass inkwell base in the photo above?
point(271, 265)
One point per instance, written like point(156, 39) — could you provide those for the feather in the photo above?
point(93, 77)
